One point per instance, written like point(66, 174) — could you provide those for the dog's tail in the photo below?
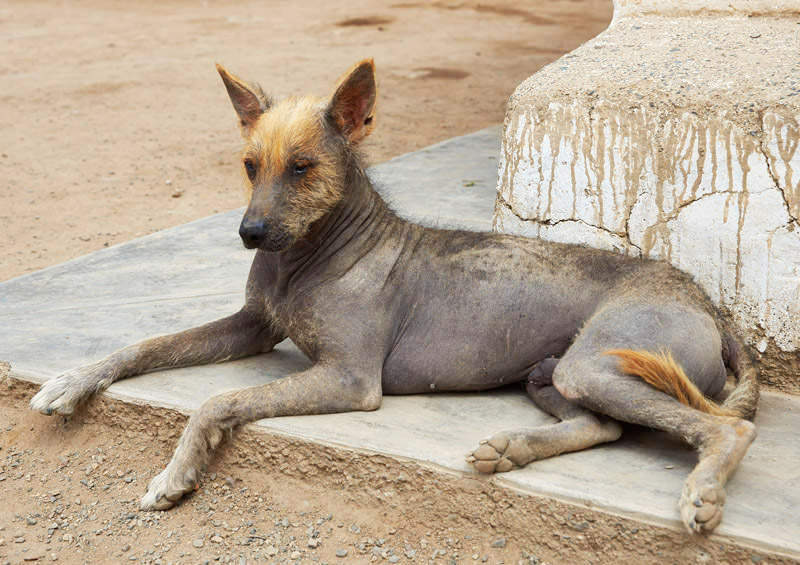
point(743, 399)
point(663, 372)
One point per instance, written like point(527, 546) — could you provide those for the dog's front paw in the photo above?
point(61, 394)
point(65, 392)
point(168, 487)
point(495, 455)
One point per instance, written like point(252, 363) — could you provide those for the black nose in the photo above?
point(252, 233)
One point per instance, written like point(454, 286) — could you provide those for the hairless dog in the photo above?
point(385, 306)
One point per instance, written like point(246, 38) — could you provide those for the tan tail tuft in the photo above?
point(661, 371)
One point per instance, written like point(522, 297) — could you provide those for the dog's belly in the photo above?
point(413, 376)
point(459, 361)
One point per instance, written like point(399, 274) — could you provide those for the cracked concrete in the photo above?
point(675, 137)
point(787, 158)
point(507, 220)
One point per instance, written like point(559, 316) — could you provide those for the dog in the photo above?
point(382, 305)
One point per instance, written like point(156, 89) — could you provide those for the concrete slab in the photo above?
point(74, 313)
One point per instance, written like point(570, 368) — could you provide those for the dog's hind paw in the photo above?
point(495, 455)
point(701, 506)
point(168, 487)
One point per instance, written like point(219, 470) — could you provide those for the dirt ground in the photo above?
point(114, 124)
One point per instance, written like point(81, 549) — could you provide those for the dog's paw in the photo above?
point(64, 393)
point(701, 505)
point(168, 487)
point(496, 455)
point(60, 395)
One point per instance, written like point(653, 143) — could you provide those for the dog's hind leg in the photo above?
point(579, 429)
point(597, 373)
point(242, 334)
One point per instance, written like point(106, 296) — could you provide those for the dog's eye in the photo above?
point(250, 167)
point(301, 167)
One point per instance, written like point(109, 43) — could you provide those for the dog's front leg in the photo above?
point(242, 334)
point(322, 389)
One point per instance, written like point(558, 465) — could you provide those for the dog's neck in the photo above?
point(347, 233)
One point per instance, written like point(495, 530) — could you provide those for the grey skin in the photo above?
point(384, 306)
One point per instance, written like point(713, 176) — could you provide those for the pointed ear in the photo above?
point(352, 106)
point(249, 100)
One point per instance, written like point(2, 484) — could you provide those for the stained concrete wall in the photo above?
point(675, 137)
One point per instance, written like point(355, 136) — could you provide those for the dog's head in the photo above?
point(297, 152)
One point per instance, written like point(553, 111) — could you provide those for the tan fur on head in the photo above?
point(661, 371)
point(291, 132)
point(298, 151)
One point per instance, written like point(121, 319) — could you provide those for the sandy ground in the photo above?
point(114, 124)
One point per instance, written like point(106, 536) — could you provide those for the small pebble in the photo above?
point(197, 543)
point(341, 553)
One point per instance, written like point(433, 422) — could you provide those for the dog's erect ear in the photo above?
point(249, 100)
point(352, 105)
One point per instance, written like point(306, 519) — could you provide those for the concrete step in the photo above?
point(74, 313)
